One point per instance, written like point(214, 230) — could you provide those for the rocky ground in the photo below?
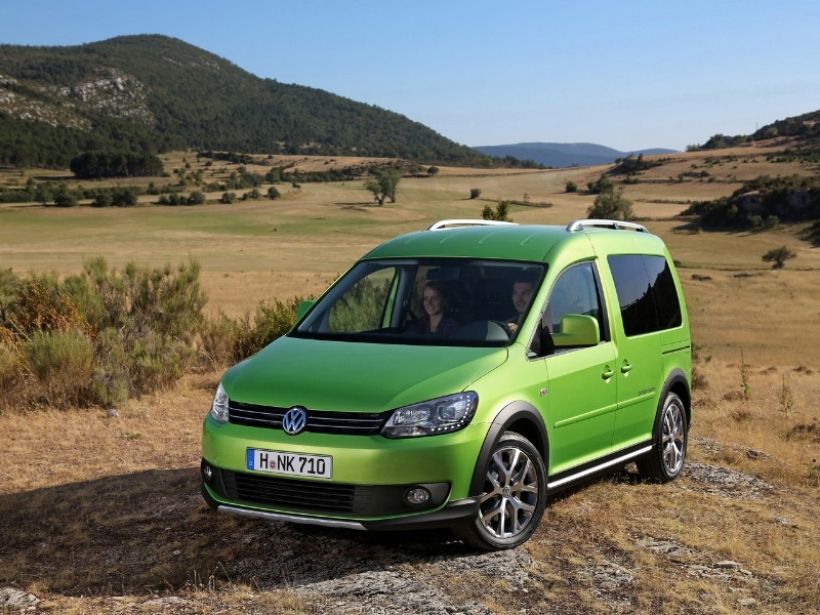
point(285, 568)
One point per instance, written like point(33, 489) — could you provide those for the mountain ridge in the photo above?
point(564, 154)
point(154, 93)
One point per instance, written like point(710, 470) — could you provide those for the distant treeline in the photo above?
point(762, 203)
point(804, 127)
point(91, 165)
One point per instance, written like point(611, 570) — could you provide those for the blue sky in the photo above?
point(628, 74)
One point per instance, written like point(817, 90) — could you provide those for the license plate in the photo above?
point(294, 464)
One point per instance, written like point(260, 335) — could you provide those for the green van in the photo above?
point(457, 377)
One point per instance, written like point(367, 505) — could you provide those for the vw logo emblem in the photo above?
point(294, 420)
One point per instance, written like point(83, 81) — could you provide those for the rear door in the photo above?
point(639, 343)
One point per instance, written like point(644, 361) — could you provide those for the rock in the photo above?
point(725, 482)
point(747, 602)
point(727, 563)
point(166, 601)
point(13, 598)
point(111, 413)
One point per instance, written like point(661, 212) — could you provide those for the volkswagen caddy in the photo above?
point(457, 377)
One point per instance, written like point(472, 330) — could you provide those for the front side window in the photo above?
point(575, 293)
point(427, 301)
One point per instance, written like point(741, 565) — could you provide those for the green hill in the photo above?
point(154, 93)
point(805, 129)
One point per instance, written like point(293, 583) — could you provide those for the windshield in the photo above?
point(454, 302)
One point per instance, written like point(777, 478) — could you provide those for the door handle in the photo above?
point(608, 373)
point(626, 367)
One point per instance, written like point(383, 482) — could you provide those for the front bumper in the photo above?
point(453, 513)
point(357, 459)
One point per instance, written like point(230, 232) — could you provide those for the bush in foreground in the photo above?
point(106, 335)
point(98, 337)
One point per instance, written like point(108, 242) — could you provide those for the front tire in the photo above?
point(665, 461)
point(514, 496)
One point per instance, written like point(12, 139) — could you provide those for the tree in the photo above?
point(432, 170)
point(571, 186)
point(227, 198)
point(63, 197)
point(102, 199)
point(501, 212)
point(778, 257)
point(124, 197)
point(475, 193)
point(602, 184)
point(195, 198)
point(383, 185)
point(611, 205)
point(273, 193)
point(43, 193)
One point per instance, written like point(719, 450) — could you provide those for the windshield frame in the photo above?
point(418, 261)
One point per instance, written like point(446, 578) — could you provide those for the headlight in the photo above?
point(219, 407)
point(429, 418)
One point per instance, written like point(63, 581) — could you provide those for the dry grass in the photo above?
point(100, 514)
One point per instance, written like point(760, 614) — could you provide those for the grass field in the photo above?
point(102, 514)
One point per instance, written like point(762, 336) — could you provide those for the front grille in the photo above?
point(355, 423)
point(321, 497)
point(290, 493)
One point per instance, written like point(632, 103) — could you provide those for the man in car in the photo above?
point(522, 290)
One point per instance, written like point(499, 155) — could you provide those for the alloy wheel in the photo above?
point(673, 438)
point(510, 493)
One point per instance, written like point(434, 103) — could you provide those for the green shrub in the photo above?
point(570, 186)
point(12, 370)
point(102, 199)
point(62, 363)
point(475, 193)
point(195, 198)
point(224, 340)
point(273, 193)
point(64, 197)
point(611, 205)
point(124, 197)
point(227, 198)
point(272, 320)
point(602, 184)
point(218, 340)
point(251, 195)
point(110, 382)
point(779, 256)
point(501, 212)
point(38, 303)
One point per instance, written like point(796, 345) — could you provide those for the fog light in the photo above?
point(208, 473)
point(416, 496)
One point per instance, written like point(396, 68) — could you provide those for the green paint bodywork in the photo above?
point(586, 414)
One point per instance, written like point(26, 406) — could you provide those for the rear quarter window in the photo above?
point(646, 293)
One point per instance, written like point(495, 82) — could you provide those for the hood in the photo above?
point(355, 377)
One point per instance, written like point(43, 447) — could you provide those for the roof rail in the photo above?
point(579, 225)
point(443, 224)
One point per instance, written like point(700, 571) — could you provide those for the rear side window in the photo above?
point(667, 302)
point(646, 293)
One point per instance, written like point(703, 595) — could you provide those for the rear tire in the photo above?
point(670, 438)
point(514, 496)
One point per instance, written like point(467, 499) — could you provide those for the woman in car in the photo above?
point(435, 320)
